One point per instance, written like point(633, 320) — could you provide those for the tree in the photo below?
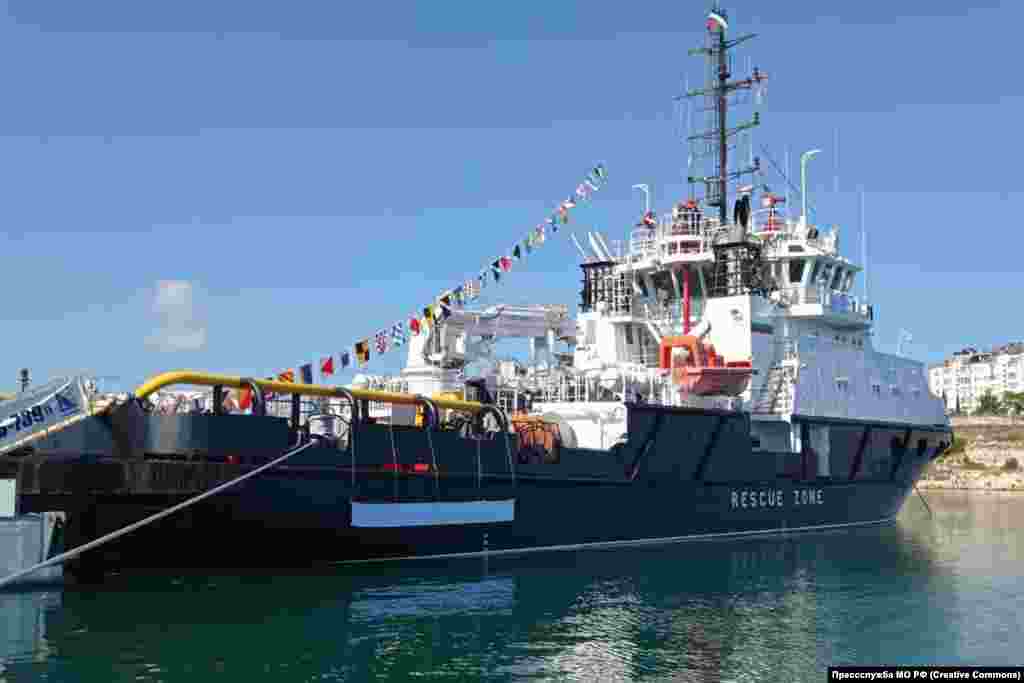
point(1013, 402)
point(988, 404)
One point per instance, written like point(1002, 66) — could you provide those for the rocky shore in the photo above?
point(988, 455)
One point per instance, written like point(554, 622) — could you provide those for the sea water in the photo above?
point(942, 589)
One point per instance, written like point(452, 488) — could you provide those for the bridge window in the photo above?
point(796, 271)
point(826, 273)
point(837, 278)
point(848, 283)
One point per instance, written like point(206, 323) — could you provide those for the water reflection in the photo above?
point(23, 625)
point(924, 591)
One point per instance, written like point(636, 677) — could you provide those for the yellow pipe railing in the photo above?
point(210, 379)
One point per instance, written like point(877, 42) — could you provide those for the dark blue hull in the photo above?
point(551, 516)
point(681, 475)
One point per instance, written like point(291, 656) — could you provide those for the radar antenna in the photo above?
point(712, 144)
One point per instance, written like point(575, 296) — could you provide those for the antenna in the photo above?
point(712, 144)
point(904, 339)
point(643, 187)
point(804, 158)
point(750, 132)
point(604, 244)
point(835, 163)
point(863, 246)
point(784, 174)
point(689, 127)
point(596, 248)
point(787, 175)
point(572, 236)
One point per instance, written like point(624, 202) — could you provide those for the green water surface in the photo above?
point(942, 590)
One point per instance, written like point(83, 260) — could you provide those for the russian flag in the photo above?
point(716, 20)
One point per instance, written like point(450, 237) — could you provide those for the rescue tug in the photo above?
point(719, 379)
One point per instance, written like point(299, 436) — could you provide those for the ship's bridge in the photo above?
point(675, 238)
point(812, 279)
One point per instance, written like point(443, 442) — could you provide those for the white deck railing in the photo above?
point(685, 235)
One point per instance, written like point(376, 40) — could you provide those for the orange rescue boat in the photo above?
point(698, 369)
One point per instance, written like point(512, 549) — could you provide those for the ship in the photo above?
point(719, 379)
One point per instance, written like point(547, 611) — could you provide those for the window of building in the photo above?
point(629, 333)
point(876, 389)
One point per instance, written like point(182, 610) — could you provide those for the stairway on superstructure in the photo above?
point(776, 392)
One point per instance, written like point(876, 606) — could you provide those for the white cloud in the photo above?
point(179, 326)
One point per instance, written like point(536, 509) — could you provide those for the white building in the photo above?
point(970, 373)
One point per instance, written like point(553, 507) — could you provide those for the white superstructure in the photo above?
point(793, 317)
point(691, 309)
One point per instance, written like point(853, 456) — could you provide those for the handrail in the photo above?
point(498, 414)
point(210, 379)
point(431, 415)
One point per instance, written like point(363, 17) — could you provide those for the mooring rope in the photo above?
point(921, 496)
point(479, 466)
point(433, 460)
point(352, 446)
point(508, 453)
point(75, 552)
point(394, 453)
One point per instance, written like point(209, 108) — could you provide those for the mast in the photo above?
point(713, 144)
point(722, 106)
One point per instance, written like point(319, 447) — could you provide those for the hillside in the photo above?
point(983, 456)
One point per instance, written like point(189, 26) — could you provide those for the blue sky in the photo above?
point(318, 170)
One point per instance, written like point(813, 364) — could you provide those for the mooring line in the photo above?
point(921, 496)
point(75, 552)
